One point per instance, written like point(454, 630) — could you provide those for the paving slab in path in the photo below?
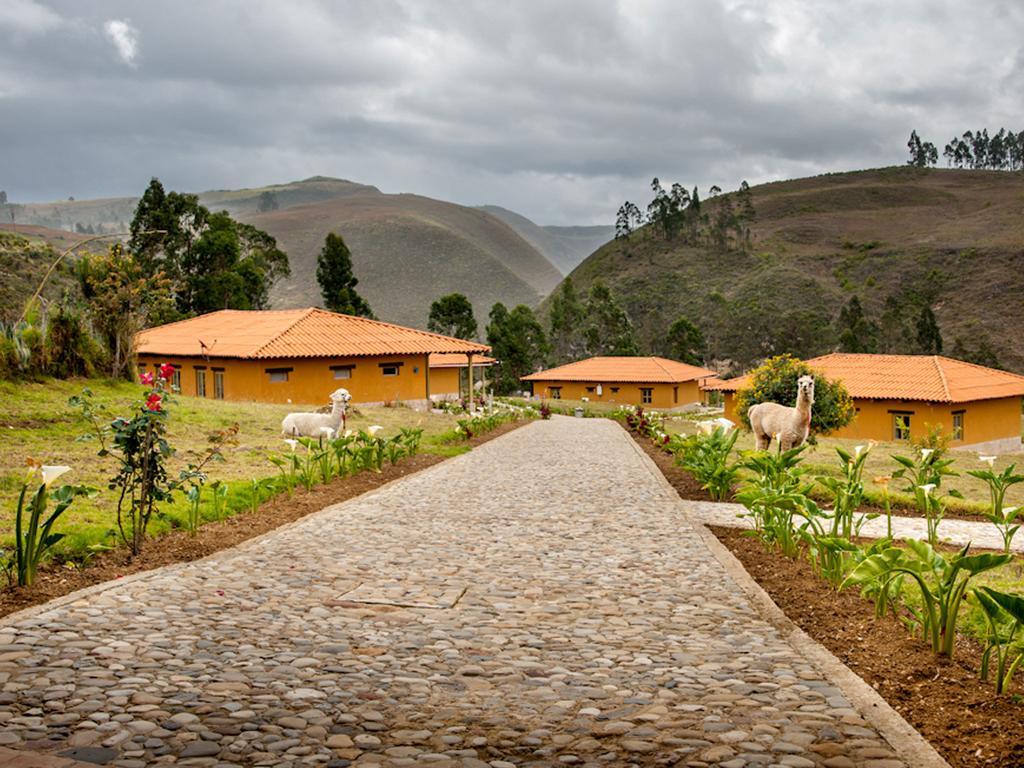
point(542, 600)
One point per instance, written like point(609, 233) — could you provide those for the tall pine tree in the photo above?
point(518, 343)
point(452, 315)
point(567, 314)
point(929, 338)
point(856, 332)
point(607, 330)
point(337, 281)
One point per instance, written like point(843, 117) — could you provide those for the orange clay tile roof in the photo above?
point(454, 360)
point(292, 333)
point(931, 378)
point(646, 370)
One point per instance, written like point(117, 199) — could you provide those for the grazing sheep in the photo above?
point(311, 424)
point(790, 425)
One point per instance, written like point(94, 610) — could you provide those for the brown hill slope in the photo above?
point(407, 251)
point(951, 238)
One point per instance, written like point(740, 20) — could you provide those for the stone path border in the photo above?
point(911, 745)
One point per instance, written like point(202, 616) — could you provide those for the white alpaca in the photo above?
point(790, 425)
point(312, 424)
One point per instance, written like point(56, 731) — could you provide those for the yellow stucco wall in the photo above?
point(444, 382)
point(662, 395)
point(983, 420)
point(310, 380)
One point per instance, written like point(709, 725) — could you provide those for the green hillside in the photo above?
point(951, 239)
point(565, 247)
point(407, 251)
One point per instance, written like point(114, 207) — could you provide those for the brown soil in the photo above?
point(55, 580)
point(944, 700)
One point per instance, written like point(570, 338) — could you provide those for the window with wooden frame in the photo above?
point(200, 382)
point(900, 425)
point(556, 393)
point(646, 395)
point(342, 371)
point(675, 395)
point(390, 369)
point(958, 425)
point(278, 375)
point(218, 383)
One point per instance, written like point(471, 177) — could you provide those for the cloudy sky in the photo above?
point(559, 109)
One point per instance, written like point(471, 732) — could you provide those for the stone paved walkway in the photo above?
point(540, 601)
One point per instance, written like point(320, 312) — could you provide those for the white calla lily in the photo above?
point(373, 430)
point(858, 450)
point(927, 488)
point(990, 460)
point(52, 472)
point(292, 443)
point(926, 452)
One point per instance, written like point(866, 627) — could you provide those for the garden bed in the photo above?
point(690, 489)
point(944, 700)
point(55, 580)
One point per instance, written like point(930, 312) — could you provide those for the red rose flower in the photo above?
point(153, 402)
point(147, 379)
point(166, 371)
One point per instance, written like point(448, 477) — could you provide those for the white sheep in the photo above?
point(311, 424)
point(790, 425)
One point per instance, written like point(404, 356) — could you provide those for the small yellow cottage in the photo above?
point(647, 381)
point(899, 397)
point(298, 356)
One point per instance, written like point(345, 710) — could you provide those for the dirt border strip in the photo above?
point(910, 745)
point(34, 610)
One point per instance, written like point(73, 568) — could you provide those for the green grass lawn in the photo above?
point(36, 422)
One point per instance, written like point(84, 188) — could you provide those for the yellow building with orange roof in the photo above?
point(298, 356)
point(900, 397)
point(648, 381)
point(448, 377)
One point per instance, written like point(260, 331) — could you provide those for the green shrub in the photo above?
point(706, 457)
point(775, 381)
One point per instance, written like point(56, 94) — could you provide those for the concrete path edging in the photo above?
point(911, 746)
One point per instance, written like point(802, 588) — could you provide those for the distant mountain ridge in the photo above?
point(407, 249)
point(565, 247)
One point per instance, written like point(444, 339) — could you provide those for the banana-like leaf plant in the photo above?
point(999, 607)
point(942, 583)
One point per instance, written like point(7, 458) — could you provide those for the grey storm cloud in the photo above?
point(559, 110)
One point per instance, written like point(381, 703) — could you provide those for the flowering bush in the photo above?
point(775, 381)
point(139, 445)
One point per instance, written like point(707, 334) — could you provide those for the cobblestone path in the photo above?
point(539, 601)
